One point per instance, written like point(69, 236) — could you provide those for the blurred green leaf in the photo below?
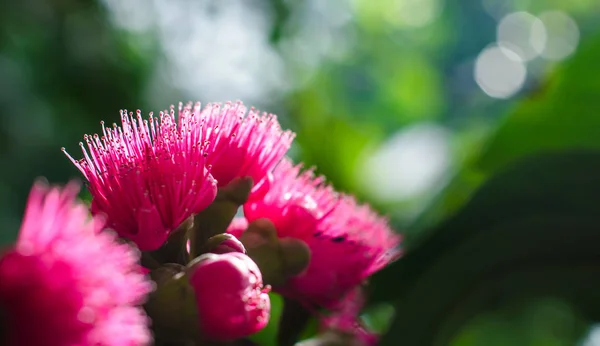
point(545, 322)
point(532, 229)
point(378, 318)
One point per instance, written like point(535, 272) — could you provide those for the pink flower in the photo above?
point(148, 176)
point(242, 143)
point(348, 241)
point(65, 283)
point(232, 302)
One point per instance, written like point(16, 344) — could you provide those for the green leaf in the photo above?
point(544, 322)
point(552, 184)
point(532, 230)
point(501, 267)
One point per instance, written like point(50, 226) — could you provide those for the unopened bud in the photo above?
point(296, 255)
point(223, 243)
point(230, 296)
point(278, 259)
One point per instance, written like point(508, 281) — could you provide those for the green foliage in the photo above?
point(525, 323)
point(531, 230)
point(525, 234)
point(561, 114)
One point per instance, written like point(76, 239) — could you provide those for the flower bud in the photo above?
point(278, 259)
point(224, 243)
point(232, 302)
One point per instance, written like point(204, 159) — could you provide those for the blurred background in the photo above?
point(409, 104)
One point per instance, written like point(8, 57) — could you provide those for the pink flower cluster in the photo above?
point(149, 175)
point(70, 283)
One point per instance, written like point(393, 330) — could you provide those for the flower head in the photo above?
point(148, 176)
point(348, 241)
point(67, 283)
point(241, 142)
point(232, 302)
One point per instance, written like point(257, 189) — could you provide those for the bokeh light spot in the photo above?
point(593, 337)
point(521, 32)
point(562, 35)
point(410, 163)
point(500, 72)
